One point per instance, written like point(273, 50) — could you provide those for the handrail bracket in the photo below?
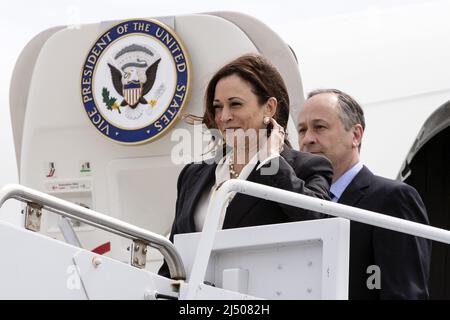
point(33, 215)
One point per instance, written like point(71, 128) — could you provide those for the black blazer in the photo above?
point(404, 260)
point(300, 172)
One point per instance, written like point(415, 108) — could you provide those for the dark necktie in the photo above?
point(333, 197)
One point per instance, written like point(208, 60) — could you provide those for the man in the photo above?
point(332, 123)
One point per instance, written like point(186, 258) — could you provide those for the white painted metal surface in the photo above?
point(207, 292)
point(35, 266)
point(106, 278)
point(299, 260)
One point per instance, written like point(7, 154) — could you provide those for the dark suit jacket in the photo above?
point(298, 171)
point(404, 260)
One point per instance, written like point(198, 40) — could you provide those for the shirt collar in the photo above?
point(339, 186)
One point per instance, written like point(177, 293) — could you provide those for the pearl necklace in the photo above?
point(234, 174)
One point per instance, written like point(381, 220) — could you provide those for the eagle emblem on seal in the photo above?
point(133, 73)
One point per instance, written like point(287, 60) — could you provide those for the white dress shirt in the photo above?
point(339, 186)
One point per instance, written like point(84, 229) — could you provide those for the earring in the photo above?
point(266, 120)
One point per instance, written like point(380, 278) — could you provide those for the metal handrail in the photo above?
point(99, 220)
point(219, 202)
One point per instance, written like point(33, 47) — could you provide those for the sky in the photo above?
point(21, 20)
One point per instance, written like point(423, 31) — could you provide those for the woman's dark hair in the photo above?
point(264, 79)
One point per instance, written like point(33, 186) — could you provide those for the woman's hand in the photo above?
point(274, 144)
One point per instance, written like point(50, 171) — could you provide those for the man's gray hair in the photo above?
point(350, 111)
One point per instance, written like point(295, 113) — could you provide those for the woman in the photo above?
point(247, 101)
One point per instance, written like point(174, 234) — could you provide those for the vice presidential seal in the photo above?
point(135, 81)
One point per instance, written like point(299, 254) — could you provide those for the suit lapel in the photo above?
point(242, 204)
point(356, 190)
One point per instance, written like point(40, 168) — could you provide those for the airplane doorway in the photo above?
point(430, 175)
